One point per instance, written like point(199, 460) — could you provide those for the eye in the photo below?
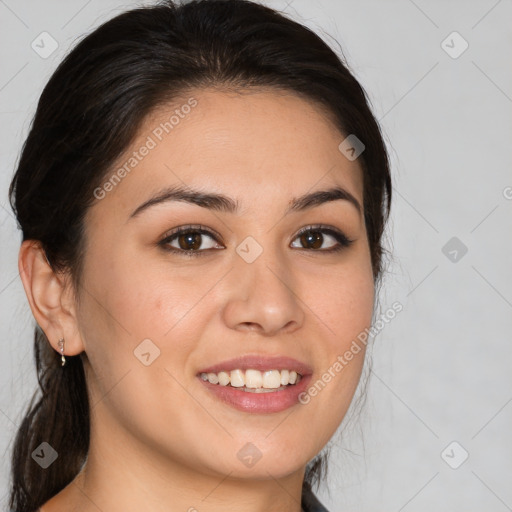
point(190, 240)
point(314, 237)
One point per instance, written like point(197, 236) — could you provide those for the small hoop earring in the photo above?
point(61, 348)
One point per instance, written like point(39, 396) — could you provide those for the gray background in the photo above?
point(441, 368)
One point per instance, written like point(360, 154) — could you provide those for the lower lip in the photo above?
point(259, 403)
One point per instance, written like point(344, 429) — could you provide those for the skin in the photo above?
point(158, 437)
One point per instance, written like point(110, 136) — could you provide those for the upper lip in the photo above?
point(261, 363)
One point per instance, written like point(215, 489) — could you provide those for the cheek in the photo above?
point(128, 303)
point(343, 306)
point(125, 303)
point(144, 299)
point(343, 302)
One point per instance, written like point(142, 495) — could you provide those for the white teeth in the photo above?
point(271, 379)
point(223, 378)
point(212, 377)
point(254, 380)
point(237, 378)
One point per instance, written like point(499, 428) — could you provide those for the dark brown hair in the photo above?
point(88, 114)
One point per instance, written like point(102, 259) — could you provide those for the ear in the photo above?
point(51, 298)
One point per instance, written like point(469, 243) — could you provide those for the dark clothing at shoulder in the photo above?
point(310, 502)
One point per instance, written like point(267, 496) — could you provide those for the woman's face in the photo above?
point(156, 310)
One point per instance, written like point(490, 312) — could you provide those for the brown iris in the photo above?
point(189, 241)
point(312, 239)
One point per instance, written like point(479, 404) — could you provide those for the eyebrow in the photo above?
point(223, 203)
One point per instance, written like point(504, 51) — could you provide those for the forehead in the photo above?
point(260, 146)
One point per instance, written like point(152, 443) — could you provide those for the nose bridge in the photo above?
point(261, 294)
point(262, 272)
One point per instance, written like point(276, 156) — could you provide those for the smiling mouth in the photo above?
point(254, 381)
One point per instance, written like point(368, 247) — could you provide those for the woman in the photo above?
point(202, 197)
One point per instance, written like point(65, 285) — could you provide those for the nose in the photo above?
point(262, 298)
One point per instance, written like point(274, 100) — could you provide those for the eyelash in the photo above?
point(343, 241)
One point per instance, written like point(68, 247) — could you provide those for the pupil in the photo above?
point(190, 241)
point(313, 238)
